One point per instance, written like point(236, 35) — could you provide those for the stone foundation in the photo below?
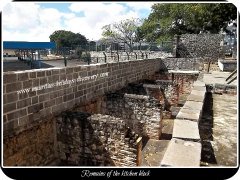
point(97, 140)
point(35, 146)
point(141, 113)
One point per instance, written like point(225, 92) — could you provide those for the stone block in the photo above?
point(13, 87)
point(199, 88)
point(199, 83)
point(197, 92)
point(185, 129)
point(193, 105)
point(194, 97)
point(9, 78)
point(33, 75)
point(41, 74)
point(22, 76)
point(9, 107)
point(11, 97)
point(193, 115)
point(35, 108)
point(182, 153)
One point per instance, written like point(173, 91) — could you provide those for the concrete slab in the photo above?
point(183, 72)
point(175, 110)
point(182, 153)
point(199, 88)
point(193, 105)
point(185, 129)
point(196, 92)
point(152, 86)
point(199, 83)
point(194, 97)
point(193, 115)
point(217, 77)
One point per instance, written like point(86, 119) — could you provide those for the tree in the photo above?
point(167, 20)
point(64, 38)
point(122, 32)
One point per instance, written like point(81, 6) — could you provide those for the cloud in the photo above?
point(32, 22)
point(137, 6)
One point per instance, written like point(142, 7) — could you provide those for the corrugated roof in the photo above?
point(28, 45)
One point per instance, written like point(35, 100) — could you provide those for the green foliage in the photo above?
point(86, 56)
point(166, 20)
point(122, 32)
point(64, 38)
point(77, 53)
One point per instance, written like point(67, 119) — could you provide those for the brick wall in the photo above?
point(21, 110)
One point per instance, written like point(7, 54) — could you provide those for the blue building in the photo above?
point(23, 48)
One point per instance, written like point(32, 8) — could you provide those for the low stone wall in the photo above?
point(141, 113)
point(184, 148)
point(227, 65)
point(97, 140)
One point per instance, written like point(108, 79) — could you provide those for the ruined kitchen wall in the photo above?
point(96, 140)
point(141, 113)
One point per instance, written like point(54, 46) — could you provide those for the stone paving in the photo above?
point(225, 129)
point(217, 77)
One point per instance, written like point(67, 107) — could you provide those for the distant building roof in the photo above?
point(28, 45)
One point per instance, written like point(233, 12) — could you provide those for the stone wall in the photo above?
point(141, 113)
point(96, 140)
point(199, 45)
point(32, 147)
point(176, 83)
point(63, 88)
point(188, 63)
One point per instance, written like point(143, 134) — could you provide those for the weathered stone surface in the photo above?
point(182, 153)
point(193, 105)
point(189, 114)
point(153, 152)
point(199, 83)
point(183, 72)
point(197, 98)
point(199, 45)
point(104, 140)
point(185, 129)
point(32, 147)
point(199, 88)
point(193, 64)
point(197, 92)
point(141, 113)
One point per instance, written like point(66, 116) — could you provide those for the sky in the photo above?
point(35, 21)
